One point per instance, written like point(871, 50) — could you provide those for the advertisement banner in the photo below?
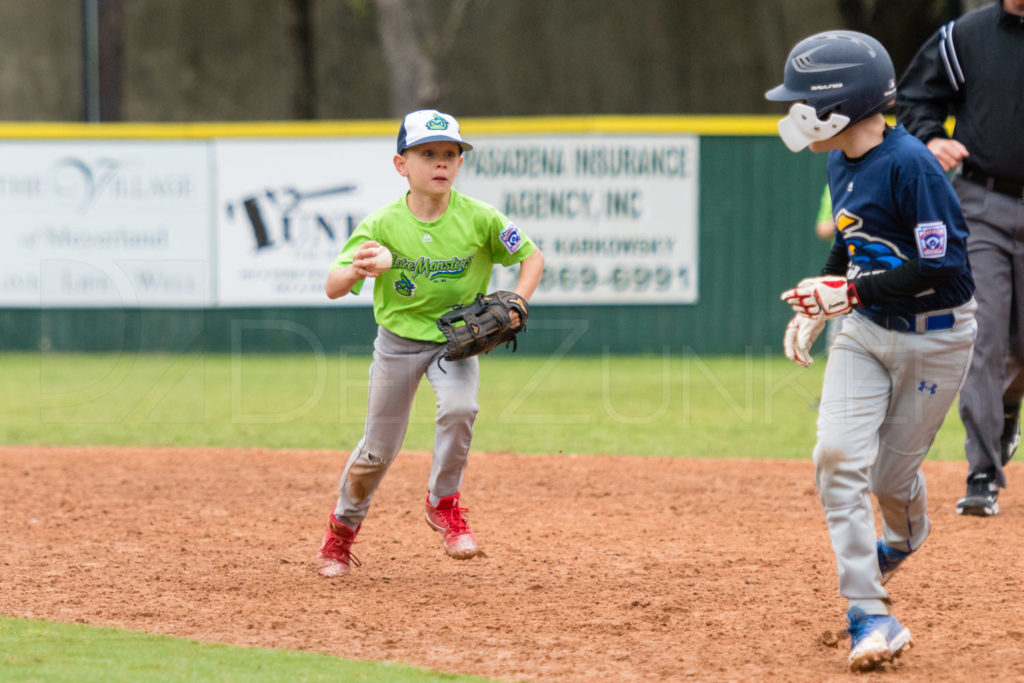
point(259, 222)
point(285, 209)
point(616, 216)
point(105, 224)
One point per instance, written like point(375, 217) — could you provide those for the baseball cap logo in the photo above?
point(437, 123)
point(429, 125)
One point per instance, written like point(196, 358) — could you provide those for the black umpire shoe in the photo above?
point(1010, 438)
point(982, 496)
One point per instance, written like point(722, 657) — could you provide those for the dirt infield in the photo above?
point(595, 568)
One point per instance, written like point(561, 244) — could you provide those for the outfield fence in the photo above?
point(659, 232)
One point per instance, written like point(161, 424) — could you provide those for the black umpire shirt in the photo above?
point(972, 68)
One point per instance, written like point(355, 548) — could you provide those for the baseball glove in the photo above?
point(479, 326)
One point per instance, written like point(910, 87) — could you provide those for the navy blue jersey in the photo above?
point(895, 208)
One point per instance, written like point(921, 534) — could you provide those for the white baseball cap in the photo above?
point(429, 125)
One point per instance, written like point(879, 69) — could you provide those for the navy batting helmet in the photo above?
point(842, 77)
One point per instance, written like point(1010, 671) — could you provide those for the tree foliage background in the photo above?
point(225, 60)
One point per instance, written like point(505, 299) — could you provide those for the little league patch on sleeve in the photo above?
point(931, 239)
point(511, 238)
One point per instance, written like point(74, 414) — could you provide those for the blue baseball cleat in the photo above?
point(874, 639)
point(889, 560)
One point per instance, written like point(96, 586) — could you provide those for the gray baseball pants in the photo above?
point(996, 251)
point(395, 373)
point(883, 399)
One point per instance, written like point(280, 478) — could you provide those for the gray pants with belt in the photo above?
point(395, 373)
point(996, 252)
point(884, 397)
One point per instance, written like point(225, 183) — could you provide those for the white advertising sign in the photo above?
point(285, 208)
point(616, 216)
point(114, 223)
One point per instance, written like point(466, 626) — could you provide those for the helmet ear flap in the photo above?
point(802, 126)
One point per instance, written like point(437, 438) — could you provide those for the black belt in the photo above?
point(919, 324)
point(1000, 185)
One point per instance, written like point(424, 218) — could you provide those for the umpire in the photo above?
point(973, 68)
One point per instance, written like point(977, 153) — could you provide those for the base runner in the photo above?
point(898, 276)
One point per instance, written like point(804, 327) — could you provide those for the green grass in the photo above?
point(42, 651)
point(670, 405)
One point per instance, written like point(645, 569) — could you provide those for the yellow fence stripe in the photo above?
point(700, 125)
point(556, 125)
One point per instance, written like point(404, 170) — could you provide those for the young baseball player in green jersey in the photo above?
point(442, 246)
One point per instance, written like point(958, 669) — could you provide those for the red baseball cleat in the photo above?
point(447, 519)
point(335, 557)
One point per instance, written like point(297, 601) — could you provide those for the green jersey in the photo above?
point(435, 265)
point(825, 208)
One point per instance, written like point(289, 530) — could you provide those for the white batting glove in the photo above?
point(828, 297)
point(799, 338)
point(803, 296)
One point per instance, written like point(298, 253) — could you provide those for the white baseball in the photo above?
point(382, 259)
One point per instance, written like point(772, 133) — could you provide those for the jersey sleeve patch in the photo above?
point(511, 238)
point(931, 239)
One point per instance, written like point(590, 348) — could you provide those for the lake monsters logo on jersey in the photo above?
point(405, 286)
point(437, 123)
point(868, 253)
point(423, 267)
